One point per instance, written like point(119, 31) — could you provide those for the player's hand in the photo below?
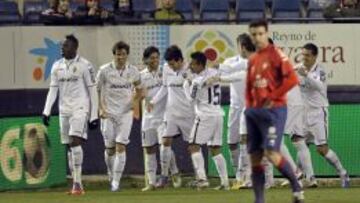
point(268, 104)
point(46, 120)
point(149, 106)
point(93, 124)
point(302, 72)
point(212, 80)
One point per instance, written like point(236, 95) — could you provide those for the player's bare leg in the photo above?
point(303, 153)
point(199, 165)
point(285, 169)
point(150, 167)
point(220, 164)
point(119, 165)
point(109, 155)
point(333, 159)
point(77, 160)
point(165, 160)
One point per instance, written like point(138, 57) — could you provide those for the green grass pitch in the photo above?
point(184, 195)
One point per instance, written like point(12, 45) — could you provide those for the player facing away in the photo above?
point(152, 121)
point(179, 113)
point(72, 77)
point(270, 76)
point(119, 89)
point(314, 92)
point(208, 125)
point(233, 71)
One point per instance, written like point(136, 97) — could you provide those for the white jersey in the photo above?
point(206, 98)
point(294, 97)
point(231, 66)
point(116, 87)
point(151, 82)
point(75, 81)
point(314, 88)
point(177, 104)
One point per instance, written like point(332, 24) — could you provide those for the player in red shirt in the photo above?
point(270, 76)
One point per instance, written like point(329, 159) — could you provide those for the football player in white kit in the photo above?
point(179, 113)
point(294, 127)
point(314, 92)
point(233, 71)
point(116, 83)
point(152, 121)
point(73, 78)
point(208, 125)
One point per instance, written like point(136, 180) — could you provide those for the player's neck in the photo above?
point(309, 66)
point(71, 57)
point(263, 46)
point(120, 66)
point(153, 69)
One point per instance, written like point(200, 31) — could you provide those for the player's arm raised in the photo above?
point(89, 78)
point(318, 82)
point(51, 96)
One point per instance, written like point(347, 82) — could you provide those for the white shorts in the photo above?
point(178, 126)
point(316, 125)
point(152, 136)
point(73, 125)
point(207, 130)
point(295, 121)
point(117, 130)
point(233, 125)
point(242, 128)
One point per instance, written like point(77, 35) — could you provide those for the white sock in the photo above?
point(269, 171)
point(151, 166)
point(333, 159)
point(304, 158)
point(244, 168)
point(118, 169)
point(285, 152)
point(199, 165)
point(220, 164)
point(235, 155)
point(69, 156)
point(173, 166)
point(109, 161)
point(77, 160)
point(165, 157)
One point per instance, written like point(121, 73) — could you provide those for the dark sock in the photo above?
point(258, 179)
point(286, 170)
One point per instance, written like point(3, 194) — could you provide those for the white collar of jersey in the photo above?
point(113, 65)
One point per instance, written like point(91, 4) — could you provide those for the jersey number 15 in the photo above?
point(214, 95)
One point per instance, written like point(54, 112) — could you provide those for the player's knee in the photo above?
point(233, 147)
point(167, 141)
point(76, 141)
point(215, 150)
point(243, 139)
point(150, 150)
point(110, 151)
point(256, 158)
point(322, 149)
point(120, 148)
point(273, 156)
point(193, 148)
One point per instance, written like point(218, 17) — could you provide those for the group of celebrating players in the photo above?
point(269, 98)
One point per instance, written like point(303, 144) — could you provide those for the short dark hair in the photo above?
point(312, 47)
point(199, 57)
point(121, 45)
point(150, 50)
point(73, 40)
point(259, 23)
point(245, 41)
point(173, 53)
